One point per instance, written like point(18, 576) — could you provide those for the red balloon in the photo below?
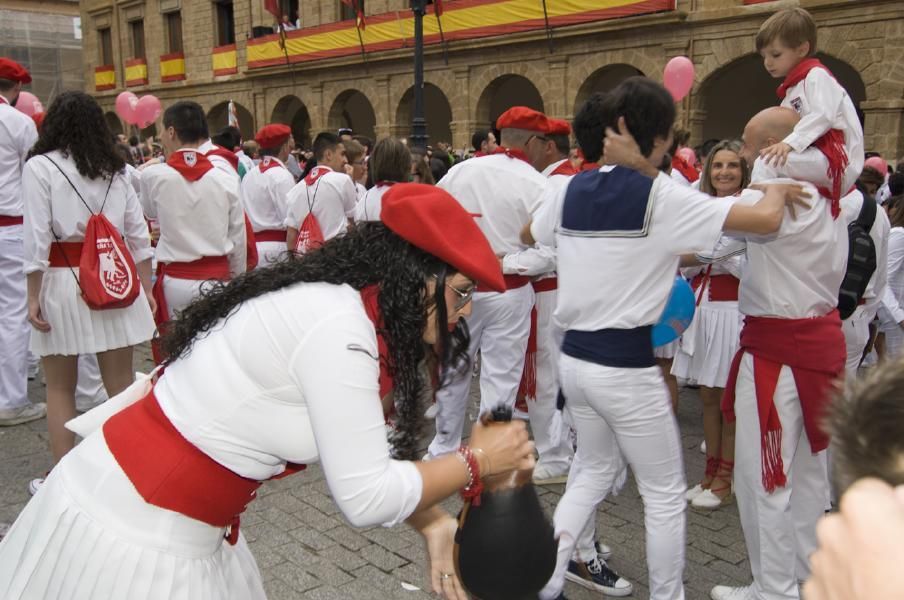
point(125, 107)
point(678, 77)
point(688, 154)
point(29, 104)
point(147, 110)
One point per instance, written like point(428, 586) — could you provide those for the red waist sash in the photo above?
point(7, 221)
point(512, 282)
point(546, 285)
point(722, 288)
point(65, 254)
point(170, 472)
point(271, 235)
point(814, 349)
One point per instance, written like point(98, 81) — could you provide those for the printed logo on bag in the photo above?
point(796, 104)
point(115, 275)
point(191, 159)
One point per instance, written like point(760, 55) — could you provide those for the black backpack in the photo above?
point(861, 262)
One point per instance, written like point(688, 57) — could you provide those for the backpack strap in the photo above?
point(867, 215)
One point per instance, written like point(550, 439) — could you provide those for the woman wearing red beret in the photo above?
point(275, 369)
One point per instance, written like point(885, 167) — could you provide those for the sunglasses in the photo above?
point(464, 296)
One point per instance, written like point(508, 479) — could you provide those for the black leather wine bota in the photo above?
point(505, 548)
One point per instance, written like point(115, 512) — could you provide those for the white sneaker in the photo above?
point(693, 492)
point(24, 414)
point(546, 475)
point(725, 592)
point(34, 485)
point(709, 500)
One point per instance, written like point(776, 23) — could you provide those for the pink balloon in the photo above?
point(147, 110)
point(678, 77)
point(125, 107)
point(29, 104)
point(688, 154)
point(878, 163)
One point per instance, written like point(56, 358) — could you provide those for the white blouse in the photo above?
point(50, 202)
point(292, 375)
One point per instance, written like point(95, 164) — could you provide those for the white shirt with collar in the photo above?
point(17, 135)
point(371, 204)
point(197, 218)
point(332, 197)
point(265, 194)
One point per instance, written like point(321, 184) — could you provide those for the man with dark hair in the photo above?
point(345, 133)
point(326, 191)
point(589, 129)
point(198, 208)
point(264, 190)
point(484, 142)
point(19, 136)
point(608, 302)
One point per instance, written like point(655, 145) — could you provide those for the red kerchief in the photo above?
point(191, 164)
point(522, 117)
point(10, 69)
point(431, 219)
point(558, 127)
point(273, 135)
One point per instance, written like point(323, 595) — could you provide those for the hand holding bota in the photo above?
point(505, 547)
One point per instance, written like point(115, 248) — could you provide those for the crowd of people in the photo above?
point(318, 306)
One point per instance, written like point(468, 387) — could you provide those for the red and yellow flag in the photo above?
point(172, 67)
point(104, 78)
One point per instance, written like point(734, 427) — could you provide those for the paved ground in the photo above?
point(307, 551)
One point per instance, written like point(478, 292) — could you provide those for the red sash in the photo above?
point(170, 472)
point(527, 389)
point(65, 254)
point(7, 221)
point(270, 235)
point(814, 349)
point(722, 288)
point(512, 282)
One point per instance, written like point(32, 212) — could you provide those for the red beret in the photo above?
point(273, 135)
point(522, 117)
point(558, 127)
point(431, 219)
point(13, 71)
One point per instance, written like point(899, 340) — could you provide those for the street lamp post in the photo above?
point(418, 122)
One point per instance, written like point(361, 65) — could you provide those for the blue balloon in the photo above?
point(678, 313)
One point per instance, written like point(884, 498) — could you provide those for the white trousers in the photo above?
point(181, 292)
point(779, 528)
point(499, 326)
point(856, 335)
point(627, 411)
point(549, 428)
point(14, 327)
point(269, 253)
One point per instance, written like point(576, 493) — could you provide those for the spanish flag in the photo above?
point(104, 78)
point(136, 72)
point(172, 67)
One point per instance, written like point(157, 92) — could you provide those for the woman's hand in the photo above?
point(502, 447)
point(35, 317)
point(440, 538)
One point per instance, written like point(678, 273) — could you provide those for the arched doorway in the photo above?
point(218, 118)
point(113, 123)
point(352, 109)
point(603, 80)
point(742, 88)
point(291, 111)
point(437, 112)
point(503, 93)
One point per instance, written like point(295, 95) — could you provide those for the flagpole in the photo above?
point(418, 123)
point(283, 41)
point(442, 37)
point(548, 30)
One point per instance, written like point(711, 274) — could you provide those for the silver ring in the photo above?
point(445, 575)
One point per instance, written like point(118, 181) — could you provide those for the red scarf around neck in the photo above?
point(370, 296)
point(565, 168)
point(316, 173)
point(267, 163)
point(226, 154)
point(589, 166)
point(685, 168)
point(831, 144)
point(519, 154)
point(191, 164)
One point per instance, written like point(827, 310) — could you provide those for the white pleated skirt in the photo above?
point(76, 329)
point(88, 535)
point(709, 345)
point(666, 350)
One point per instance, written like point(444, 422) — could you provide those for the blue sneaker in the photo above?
point(596, 575)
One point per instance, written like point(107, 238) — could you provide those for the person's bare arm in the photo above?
point(766, 216)
point(526, 236)
point(291, 238)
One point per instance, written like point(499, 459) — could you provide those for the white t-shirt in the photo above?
point(332, 196)
point(196, 218)
point(292, 375)
point(17, 136)
point(371, 204)
point(265, 194)
point(616, 270)
point(51, 202)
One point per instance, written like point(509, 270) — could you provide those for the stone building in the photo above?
point(497, 53)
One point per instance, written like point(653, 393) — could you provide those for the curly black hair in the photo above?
point(368, 254)
point(75, 125)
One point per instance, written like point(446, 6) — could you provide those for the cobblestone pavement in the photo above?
point(306, 550)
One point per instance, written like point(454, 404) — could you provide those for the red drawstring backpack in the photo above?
point(107, 275)
point(310, 235)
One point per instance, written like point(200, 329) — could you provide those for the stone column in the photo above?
point(557, 86)
point(383, 109)
point(317, 111)
point(884, 127)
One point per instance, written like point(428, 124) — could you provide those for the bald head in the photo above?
point(768, 127)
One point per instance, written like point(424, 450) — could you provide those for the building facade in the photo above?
point(329, 73)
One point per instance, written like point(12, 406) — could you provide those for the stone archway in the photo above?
point(218, 118)
point(114, 123)
point(291, 111)
point(603, 80)
point(352, 109)
point(503, 93)
point(437, 112)
point(734, 93)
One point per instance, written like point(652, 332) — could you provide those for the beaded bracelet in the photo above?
point(474, 487)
